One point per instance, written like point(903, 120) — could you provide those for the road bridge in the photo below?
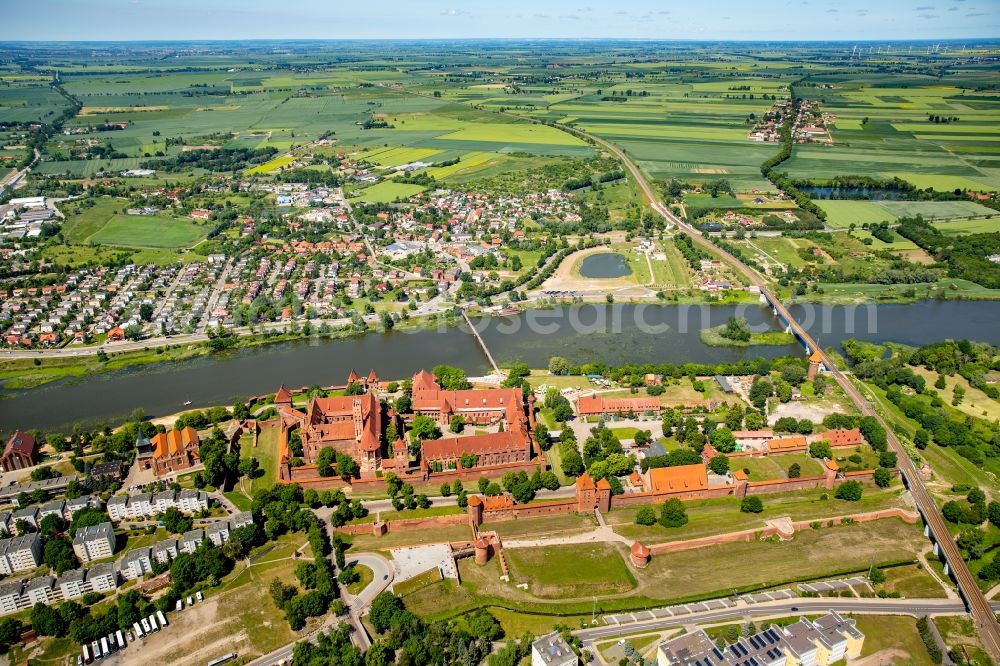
point(935, 527)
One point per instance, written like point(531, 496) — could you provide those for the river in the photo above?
point(612, 334)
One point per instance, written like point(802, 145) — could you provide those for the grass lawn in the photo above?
point(958, 630)
point(760, 469)
point(148, 232)
point(975, 403)
point(418, 582)
point(896, 632)
point(365, 542)
point(271, 165)
point(913, 581)
point(808, 466)
point(811, 553)
point(576, 570)
point(555, 463)
point(721, 515)
point(367, 575)
point(88, 221)
point(266, 453)
point(526, 528)
point(624, 433)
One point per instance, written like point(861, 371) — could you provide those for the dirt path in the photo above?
point(598, 534)
point(887, 656)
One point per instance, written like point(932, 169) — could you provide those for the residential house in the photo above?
point(20, 553)
point(136, 563)
point(94, 542)
point(552, 650)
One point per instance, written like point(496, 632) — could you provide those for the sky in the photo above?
point(788, 20)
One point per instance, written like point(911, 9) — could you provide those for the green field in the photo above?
point(387, 192)
point(571, 571)
point(883, 130)
point(148, 232)
point(272, 165)
point(841, 214)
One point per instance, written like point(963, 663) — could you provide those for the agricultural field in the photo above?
point(387, 192)
point(690, 131)
point(886, 132)
point(841, 214)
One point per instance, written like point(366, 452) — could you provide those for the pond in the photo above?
point(856, 193)
point(605, 265)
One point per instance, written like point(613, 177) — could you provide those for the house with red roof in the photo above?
point(174, 450)
point(595, 405)
point(842, 438)
point(20, 452)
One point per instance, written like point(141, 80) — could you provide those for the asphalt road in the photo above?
point(916, 607)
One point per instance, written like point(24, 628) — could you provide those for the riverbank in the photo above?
point(713, 338)
point(30, 373)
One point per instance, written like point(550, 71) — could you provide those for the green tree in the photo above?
point(849, 490)
point(760, 391)
point(646, 515)
point(423, 427)
point(383, 609)
point(883, 477)
point(723, 440)
point(820, 450)
point(175, 522)
point(719, 464)
point(558, 365)
point(751, 504)
point(673, 514)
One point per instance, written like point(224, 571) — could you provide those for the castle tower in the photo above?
point(401, 456)
point(639, 555)
point(482, 547)
point(475, 509)
point(359, 421)
point(815, 365)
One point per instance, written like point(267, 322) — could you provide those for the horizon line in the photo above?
point(499, 39)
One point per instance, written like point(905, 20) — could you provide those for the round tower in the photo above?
point(639, 555)
point(482, 547)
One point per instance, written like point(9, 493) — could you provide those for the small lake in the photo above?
point(856, 193)
point(612, 334)
point(605, 265)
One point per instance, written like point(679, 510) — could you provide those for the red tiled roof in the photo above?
point(453, 447)
point(793, 443)
point(844, 437)
point(590, 405)
point(283, 395)
point(22, 443)
point(175, 442)
point(678, 479)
